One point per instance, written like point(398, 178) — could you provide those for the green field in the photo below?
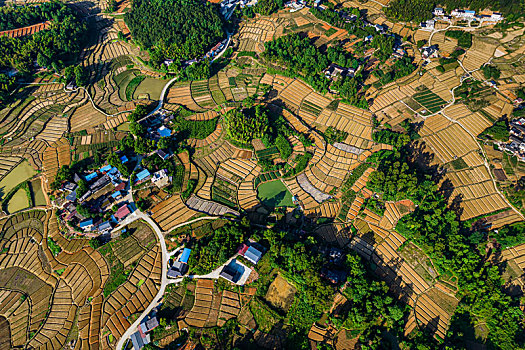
point(36, 186)
point(150, 86)
point(123, 127)
point(275, 194)
point(123, 79)
point(429, 100)
point(18, 201)
point(20, 173)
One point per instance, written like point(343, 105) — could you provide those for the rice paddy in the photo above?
point(19, 174)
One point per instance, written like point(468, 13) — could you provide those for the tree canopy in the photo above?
point(62, 41)
point(245, 125)
point(179, 29)
point(13, 17)
point(300, 57)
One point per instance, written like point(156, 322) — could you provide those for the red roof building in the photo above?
point(121, 186)
point(122, 212)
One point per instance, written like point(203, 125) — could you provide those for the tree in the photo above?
point(140, 112)
point(245, 125)
point(267, 7)
point(136, 129)
point(81, 76)
point(112, 6)
point(82, 188)
point(490, 71)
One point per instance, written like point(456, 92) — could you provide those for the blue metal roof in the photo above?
point(470, 11)
point(185, 256)
point(91, 176)
point(104, 226)
point(72, 196)
point(116, 194)
point(106, 168)
point(164, 131)
point(253, 254)
point(143, 174)
point(85, 223)
point(123, 159)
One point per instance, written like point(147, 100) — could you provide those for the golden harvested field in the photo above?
point(55, 156)
point(171, 212)
point(474, 122)
point(444, 143)
point(356, 122)
point(53, 298)
point(479, 54)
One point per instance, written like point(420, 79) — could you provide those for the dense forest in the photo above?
point(51, 47)
point(455, 249)
point(420, 10)
point(175, 29)
point(23, 16)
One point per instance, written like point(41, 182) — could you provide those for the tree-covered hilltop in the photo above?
point(175, 29)
point(455, 248)
point(61, 42)
point(420, 10)
point(23, 16)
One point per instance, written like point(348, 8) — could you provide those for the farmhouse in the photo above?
point(438, 11)
point(70, 186)
point(143, 175)
point(120, 187)
point(163, 154)
point(429, 25)
point(91, 177)
point(180, 267)
point(105, 227)
point(86, 224)
point(164, 131)
point(335, 70)
point(138, 341)
point(105, 169)
point(72, 196)
point(160, 178)
point(251, 253)
point(122, 212)
point(100, 184)
point(116, 195)
point(85, 196)
point(429, 51)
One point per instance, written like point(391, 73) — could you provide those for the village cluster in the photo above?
point(484, 18)
point(516, 145)
point(106, 195)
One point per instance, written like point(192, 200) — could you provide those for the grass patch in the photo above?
point(151, 87)
point(459, 164)
point(330, 32)
point(274, 194)
point(53, 246)
point(132, 86)
point(263, 315)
